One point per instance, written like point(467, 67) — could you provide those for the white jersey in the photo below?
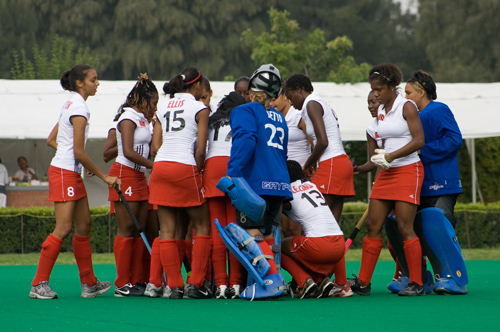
point(372, 129)
point(394, 132)
point(65, 154)
point(180, 129)
point(310, 210)
point(299, 148)
point(219, 139)
point(335, 147)
point(142, 138)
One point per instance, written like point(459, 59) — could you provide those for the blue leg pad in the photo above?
point(441, 237)
point(274, 287)
point(245, 249)
point(243, 197)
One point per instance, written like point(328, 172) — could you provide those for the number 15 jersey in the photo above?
point(179, 128)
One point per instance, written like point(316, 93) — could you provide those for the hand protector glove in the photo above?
point(380, 160)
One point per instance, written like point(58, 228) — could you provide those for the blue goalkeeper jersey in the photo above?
point(259, 149)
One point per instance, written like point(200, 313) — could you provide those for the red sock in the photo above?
point(83, 257)
point(219, 265)
point(265, 246)
point(340, 272)
point(122, 248)
point(189, 251)
point(136, 265)
point(413, 253)
point(295, 269)
point(235, 271)
point(369, 257)
point(181, 249)
point(50, 250)
point(155, 269)
point(399, 270)
point(201, 253)
point(170, 262)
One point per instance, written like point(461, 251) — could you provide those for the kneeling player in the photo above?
point(321, 250)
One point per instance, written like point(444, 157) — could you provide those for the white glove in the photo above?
point(379, 159)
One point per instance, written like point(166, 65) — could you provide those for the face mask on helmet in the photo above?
point(266, 79)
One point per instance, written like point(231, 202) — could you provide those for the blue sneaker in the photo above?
point(274, 287)
point(399, 284)
point(448, 286)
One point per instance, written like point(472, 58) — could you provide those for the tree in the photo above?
point(461, 39)
point(312, 55)
point(380, 31)
point(63, 57)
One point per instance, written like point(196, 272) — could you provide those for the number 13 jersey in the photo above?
point(310, 210)
point(179, 128)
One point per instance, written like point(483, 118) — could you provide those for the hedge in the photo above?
point(24, 230)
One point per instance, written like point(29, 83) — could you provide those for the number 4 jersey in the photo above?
point(259, 149)
point(179, 128)
point(310, 210)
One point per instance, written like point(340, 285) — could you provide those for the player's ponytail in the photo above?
point(69, 77)
point(183, 82)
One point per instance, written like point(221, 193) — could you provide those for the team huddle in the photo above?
point(228, 181)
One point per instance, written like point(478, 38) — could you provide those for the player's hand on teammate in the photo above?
point(381, 159)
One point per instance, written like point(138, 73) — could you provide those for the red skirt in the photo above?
point(399, 183)
point(65, 185)
point(318, 254)
point(134, 184)
point(175, 184)
point(335, 176)
point(215, 169)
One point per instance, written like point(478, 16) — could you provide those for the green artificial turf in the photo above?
point(381, 311)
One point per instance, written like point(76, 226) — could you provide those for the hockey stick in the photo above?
point(355, 230)
point(134, 219)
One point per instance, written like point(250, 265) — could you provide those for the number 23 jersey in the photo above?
point(179, 128)
point(259, 149)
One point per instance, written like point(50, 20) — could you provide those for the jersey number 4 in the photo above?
point(280, 134)
point(170, 123)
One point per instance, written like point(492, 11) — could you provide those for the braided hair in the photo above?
point(140, 95)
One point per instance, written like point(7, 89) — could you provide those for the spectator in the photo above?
point(4, 180)
point(25, 173)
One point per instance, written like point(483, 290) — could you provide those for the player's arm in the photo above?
point(110, 147)
point(315, 113)
point(302, 126)
point(201, 149)
point(79, 124)
point(157, 139)
point(52, 139)
point(369, 165)
point(127, 129)
point(410, 113)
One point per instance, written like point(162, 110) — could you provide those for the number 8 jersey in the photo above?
point(180, 130)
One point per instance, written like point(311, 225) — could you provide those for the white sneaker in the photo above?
point(153, 291)
point(99, 288)
point(43, 291)
point(220, 293)
point(234, 292)
point(341, 291)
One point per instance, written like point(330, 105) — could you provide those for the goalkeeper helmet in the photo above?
point(266, 79)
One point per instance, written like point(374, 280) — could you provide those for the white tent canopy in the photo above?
point(31, 108)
